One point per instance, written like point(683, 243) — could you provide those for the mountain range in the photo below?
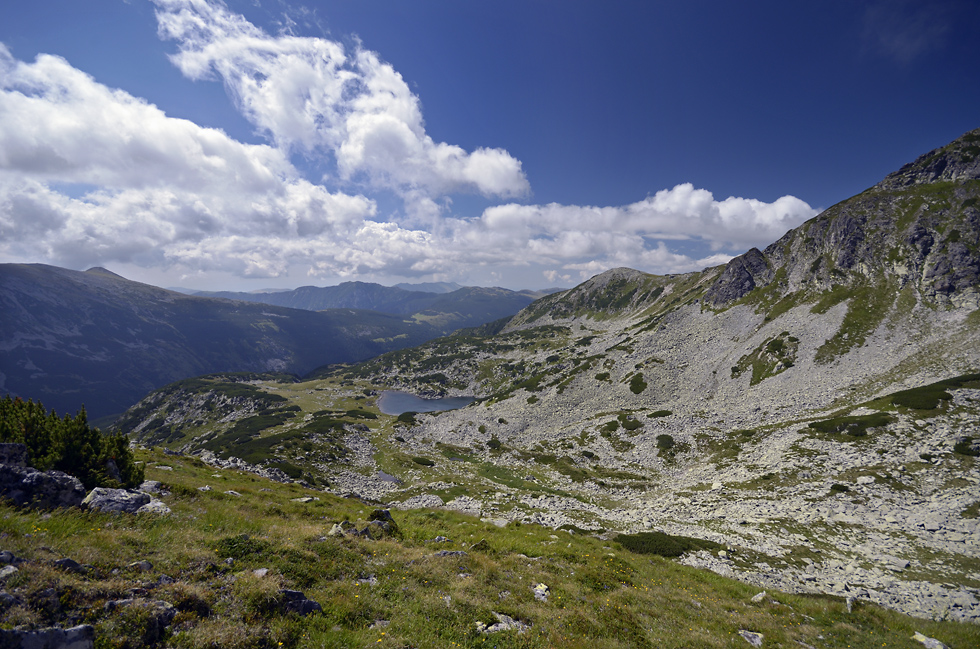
point(497, 302)
point(96, 339)
point(813, 407)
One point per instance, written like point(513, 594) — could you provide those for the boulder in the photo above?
point(25, 486)
point(70, 565)
point(115, 500)
point(13, 455)
point(503, 623)
point(293, 601)
point(77, 637)
point(541, 592)
point(153, 487)
point(154, 507)
point(927, 642)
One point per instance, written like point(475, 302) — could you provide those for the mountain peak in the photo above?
point(958, 161)
point(99, 270)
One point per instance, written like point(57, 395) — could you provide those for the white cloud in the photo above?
point(91, 175)
point(309, 94)
point(621, 234)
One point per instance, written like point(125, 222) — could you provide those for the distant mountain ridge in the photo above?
point(70, 338)
point(398, 299)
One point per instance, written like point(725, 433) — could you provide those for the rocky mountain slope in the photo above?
point(785, 405)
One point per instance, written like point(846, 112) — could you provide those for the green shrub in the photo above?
point(424, 461)
point(660, 413)
point(494, 444)
point(839, 488)
point(855, 426)
point(664, 545)
point(665, 442)
point(924, 398)
point(68, 444)
point(637, 384)
point(629, 424)
point(407, 418)
point(965, 446)
point(610, 426)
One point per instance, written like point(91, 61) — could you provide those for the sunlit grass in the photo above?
point(395, 592)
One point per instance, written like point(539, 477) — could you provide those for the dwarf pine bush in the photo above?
point(68, 444)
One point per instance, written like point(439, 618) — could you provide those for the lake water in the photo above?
point(395, 403)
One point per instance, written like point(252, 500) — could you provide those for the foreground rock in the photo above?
point(115, 500)
point(78, 637)
point(25, 486)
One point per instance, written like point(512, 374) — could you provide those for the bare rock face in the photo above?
point(920, 226)
point(742, 274)
point(78, 637)
point(115, 500)
point(27, 487)
point(956, 162)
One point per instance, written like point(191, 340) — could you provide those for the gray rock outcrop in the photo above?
point(77, 637)
point(25, 486)
point(115, 500)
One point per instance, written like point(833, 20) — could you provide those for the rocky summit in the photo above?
point(813, 408)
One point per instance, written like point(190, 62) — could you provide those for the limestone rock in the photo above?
point(929, 643)
point(155, 506)
point(420, 502)
point(28, 487)
point(541, 592)
point(115, 500)
point(76, 637)
point(753, 638)
point(504, 623)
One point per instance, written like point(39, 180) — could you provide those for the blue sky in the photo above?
point(277, 143)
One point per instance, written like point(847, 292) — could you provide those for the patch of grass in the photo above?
point(662, 544)
point(774, 356)
point(637, 384)
point(964, 446)
point(867, 308)
point(854, 426)
point(602, 596)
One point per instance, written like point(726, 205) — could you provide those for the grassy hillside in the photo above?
point(222, 559)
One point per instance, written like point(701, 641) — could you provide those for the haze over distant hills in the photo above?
point(95, 338)
point(435, 299)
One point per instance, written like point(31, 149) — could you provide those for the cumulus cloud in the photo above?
point(622, 235)
point(165, 191)
point(91, 175)
point(310, 94)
